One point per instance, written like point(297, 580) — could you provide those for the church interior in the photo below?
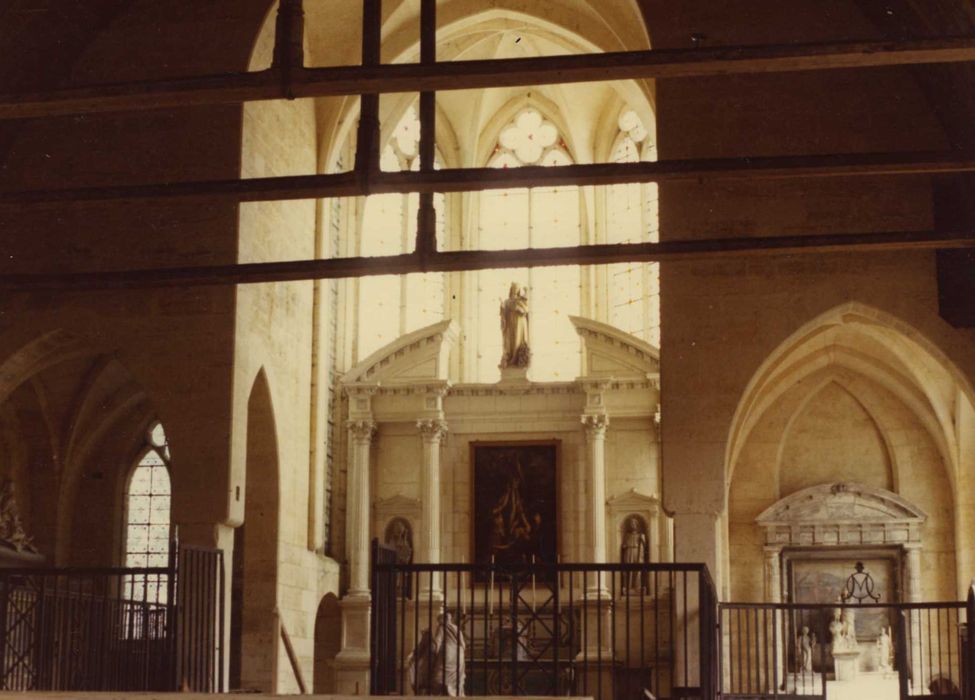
point(340, 338)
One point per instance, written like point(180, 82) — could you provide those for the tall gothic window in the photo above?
point(148, 495)
point(631, 217)
point(392, 305)
point(542, 217)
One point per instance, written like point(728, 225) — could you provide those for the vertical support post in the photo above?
point(426, 229)
point(968, 651)
point(367, 138)
point(900, 653)
point(289, 48)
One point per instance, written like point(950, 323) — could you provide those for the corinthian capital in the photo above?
point(595, 424)
point(432, 429)
point(361, 430)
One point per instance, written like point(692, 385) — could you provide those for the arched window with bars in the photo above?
point(147, 527)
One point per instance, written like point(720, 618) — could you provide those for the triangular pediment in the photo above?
point(841, 502)
point(633, 500)
point(611, 352)
point(415, 357)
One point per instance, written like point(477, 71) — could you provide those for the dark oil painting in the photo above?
point(515, 503)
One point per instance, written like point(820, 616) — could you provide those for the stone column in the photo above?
point(912, 594)
point(595, 427)
point(352, 662)
point(432, 431)
point(597, 602)
point(357, 524)
point(773, 575)
point(912, 572)
point(773, 594)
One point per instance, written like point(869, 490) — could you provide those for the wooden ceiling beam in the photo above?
point(298, 82)
point(674, 250)
point(352, 184)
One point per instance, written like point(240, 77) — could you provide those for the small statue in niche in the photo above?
point(806, 643)
point(515, 351)
point(399, 537)
point(437, 665)
point(11, 528)
point(634, 550)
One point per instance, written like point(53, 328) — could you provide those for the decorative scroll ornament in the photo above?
point(11, 528)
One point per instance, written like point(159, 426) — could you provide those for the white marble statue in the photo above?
point(843, 631)
point(884, 649)
point(515, 351)
point(806, 642)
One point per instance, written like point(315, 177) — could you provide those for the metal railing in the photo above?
point(900, 650)
point(113, 629)
point(609, 631)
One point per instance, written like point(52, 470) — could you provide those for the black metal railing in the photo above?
point(609, 631)
point(896, 650)
point(113, 629)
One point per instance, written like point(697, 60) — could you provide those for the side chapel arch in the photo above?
point(870, 352)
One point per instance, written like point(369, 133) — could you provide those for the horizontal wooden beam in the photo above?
point(234, 88)
point(476, 179)
point(677, 250)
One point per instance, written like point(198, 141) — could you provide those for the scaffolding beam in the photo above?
point(368, 180)
point(299, 82)
point(299, 270)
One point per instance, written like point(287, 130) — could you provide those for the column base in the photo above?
point(352, 663)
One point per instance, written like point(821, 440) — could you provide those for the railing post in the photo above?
point(900, 653)
point(968, 651)
point(706, 620)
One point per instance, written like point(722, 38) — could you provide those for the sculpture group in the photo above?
point(437, 665)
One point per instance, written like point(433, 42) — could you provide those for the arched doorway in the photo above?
point(328, 642)
point(255, 565)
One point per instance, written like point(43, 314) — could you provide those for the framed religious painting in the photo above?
point(515, 497)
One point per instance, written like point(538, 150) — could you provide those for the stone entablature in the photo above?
point(841, 515)
point(407, 380)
